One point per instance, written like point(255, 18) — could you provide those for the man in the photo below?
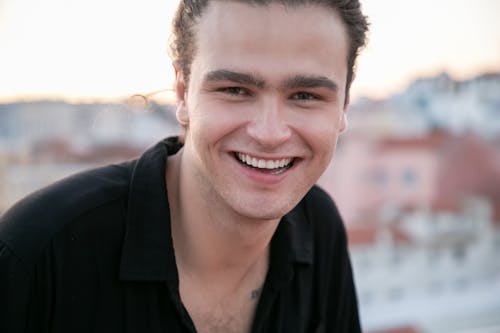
point(224, 230)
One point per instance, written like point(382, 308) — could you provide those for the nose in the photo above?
point(269, 126)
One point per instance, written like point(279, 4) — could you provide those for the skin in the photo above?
point(273, 91)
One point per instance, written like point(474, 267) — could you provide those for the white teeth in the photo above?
point(263, 164)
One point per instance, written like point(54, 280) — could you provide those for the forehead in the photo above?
point(221, 18)
point(236, 34)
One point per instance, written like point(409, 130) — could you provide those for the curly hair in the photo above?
point(183, 39)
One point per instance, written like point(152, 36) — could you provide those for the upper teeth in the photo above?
point(263, 164)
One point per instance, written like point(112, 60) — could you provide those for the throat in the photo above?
point(226, 303)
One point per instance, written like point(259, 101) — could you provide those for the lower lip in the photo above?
point(263, 177)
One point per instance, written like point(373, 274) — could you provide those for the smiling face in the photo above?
point(264, 105)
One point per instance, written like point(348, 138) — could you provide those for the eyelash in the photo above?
point(309, 96)
point(300, 96)
point(231, 91)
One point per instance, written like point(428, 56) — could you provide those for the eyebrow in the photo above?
point(241, 78)
point(297, 81)
point(302, 81)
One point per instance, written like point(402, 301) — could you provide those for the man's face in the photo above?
point(264, 105)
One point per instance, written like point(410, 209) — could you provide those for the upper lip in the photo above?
point(261, 157)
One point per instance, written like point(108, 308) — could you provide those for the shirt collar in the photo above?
point(292, 243)
point(148, 253)
point(300, 235)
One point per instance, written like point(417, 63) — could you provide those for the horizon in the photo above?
point(59, 55)
point(166, 101)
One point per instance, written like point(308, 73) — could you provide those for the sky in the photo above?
point(102, 50)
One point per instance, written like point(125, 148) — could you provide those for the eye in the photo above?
point(235, 91)
point(304, 96)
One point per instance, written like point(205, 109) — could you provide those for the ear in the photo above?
point(181, 92)
point(343, 115)
point(343, 121)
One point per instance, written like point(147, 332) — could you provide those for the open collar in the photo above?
point(148, 253)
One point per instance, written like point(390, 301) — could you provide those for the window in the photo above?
point(409, 177)
point(459, 253)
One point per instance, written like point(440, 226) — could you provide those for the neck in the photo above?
point(211, 240)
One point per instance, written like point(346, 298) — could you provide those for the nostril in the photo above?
point(269, 132)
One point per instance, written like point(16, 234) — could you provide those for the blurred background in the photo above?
point(416, 177)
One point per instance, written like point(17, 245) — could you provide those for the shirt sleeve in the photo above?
point(348, 315)
point(339, 305)
point(342, 300)
point(14, 292)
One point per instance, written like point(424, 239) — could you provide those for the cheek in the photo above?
point(324, 138)
point(324, 130)
point(215, 119)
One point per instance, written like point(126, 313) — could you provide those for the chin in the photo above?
point(265, 210)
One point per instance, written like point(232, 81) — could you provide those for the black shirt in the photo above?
point(94, 253)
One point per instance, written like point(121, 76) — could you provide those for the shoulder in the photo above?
point(322, 213)
point(320, 199)
point(33, 221)
point(319, 206)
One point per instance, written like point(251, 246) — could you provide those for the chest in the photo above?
point(212, 312)
point(221, 315)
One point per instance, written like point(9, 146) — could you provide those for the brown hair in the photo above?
point(183, 44)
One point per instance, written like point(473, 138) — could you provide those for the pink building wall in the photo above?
point(372, 173)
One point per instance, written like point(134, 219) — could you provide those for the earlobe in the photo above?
point(343, 123)
point(181, 114)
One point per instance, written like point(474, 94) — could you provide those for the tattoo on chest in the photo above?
point(255, 293)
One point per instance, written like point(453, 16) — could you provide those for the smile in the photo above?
point(278, 166)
